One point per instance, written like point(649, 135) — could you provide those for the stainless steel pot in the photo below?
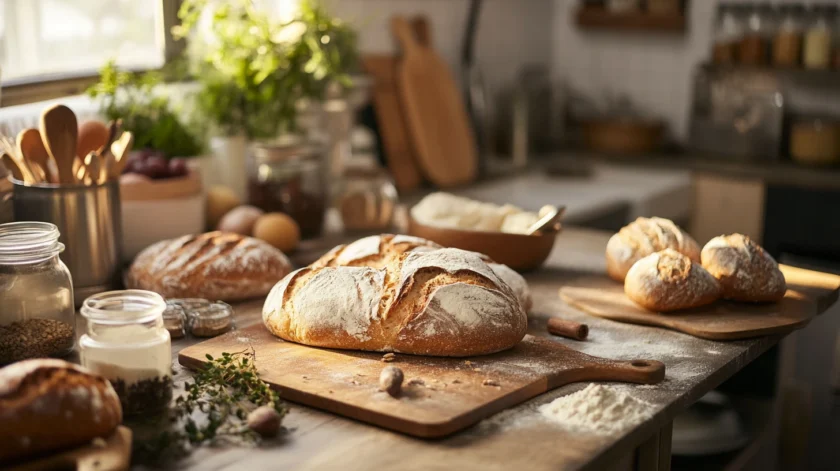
point(88, 218)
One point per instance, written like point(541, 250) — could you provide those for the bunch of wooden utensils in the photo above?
point(61, 152)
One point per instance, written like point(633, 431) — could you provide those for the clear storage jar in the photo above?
point(288, 176)
point(37, 314)
point(126, 341)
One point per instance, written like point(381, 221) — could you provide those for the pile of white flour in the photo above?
point(598, 409)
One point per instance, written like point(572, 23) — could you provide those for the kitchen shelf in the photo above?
point(599, 18)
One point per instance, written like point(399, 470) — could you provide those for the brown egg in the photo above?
point(220, 200)
point(279, 230)
point(240, 220)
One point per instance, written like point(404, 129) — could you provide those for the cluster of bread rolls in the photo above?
point(664, 270)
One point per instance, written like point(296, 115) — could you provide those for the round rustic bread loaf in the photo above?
point(426, 301)
point(669, 281)
point(215, 265)
point(745, 271)
point(48, 405)
point(378, 250)
point(643, 237)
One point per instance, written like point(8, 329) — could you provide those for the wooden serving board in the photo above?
point(457, 392)
point(809, 293)
point(436, 118)
point(115, 455)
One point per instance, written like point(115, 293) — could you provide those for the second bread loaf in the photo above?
point(643, 237)
point(669, 281)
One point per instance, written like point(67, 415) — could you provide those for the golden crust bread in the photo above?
point(669, 281)
point(745, 271)
point(643, 237)
point(48, 405)
point(378, 250)
point(215, 265)
point(432, 301)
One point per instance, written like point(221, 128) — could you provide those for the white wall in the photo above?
point(511, 33)
point(654, 70)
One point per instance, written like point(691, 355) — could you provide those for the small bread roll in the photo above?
point(745, 271)
point(668, 281)
point(643, 237)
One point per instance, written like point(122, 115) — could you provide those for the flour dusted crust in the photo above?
point(215, 265)
point(669, 281)
point(47, 405)
point(378, 250)
point(421, 300)
point(745, 271)
point(643, 237)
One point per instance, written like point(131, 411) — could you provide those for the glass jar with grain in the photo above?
point(787, 44)
point(37, 314)
point(760, 26)
point(729, 28)
point(127, 343)
point(816, 50)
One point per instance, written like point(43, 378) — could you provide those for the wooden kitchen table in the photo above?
point(517, 438)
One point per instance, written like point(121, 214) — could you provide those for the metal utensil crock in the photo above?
point(88, 218)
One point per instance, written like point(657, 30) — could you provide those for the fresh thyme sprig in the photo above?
point(222, 394)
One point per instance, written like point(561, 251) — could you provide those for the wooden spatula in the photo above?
point(120, 148)
point(60, 132)
point(93, 167)
point(31, 148)
point(12, 167)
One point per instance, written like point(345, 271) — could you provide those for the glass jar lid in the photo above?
point(132, 306)
point(28, 241)
point(285, 148)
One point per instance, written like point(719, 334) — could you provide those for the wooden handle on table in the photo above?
point(630, 371)
point(568, 329)
point(402, 30)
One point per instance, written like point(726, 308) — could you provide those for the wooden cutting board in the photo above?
point(399, 155)
point(454, 394)
point(436, 118)
point(115, 455)
point(809, 293)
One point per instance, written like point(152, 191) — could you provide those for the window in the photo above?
point(44, 39)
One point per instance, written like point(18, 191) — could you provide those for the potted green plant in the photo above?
point(253, 70)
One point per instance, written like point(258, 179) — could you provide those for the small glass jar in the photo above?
point(37, 314)
point(816, 50)
point(729, 28)
point(127, 343)
point(787, 44)
point(758, 31)
point(211, 320)
point(288, 176)
point(367, 199)
point(175, 320)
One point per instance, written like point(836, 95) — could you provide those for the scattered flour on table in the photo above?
point(599, 409)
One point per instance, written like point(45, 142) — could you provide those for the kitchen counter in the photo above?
point(518, 437)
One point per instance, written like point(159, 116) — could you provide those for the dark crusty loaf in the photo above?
point(378, 250)
point(215, 265)
point(426, 300)
point(643, 237)
point(669, 281)
point(745, 271)
point(48, 405)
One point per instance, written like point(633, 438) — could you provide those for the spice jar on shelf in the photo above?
point(816, 49)
point(759, 28)
point(127, 343)
point(287, 176)
point(729, 28)
point(37, 314)
point(787, 43)
point(368, 197)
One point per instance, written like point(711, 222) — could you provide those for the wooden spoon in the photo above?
point(31, 150)
point(12, 166)
point(93, 135)
point(93, 167)
point(120, 148)
point(60, 133)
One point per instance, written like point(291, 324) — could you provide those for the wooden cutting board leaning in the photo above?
point(437, 121)
point(440, 395)
point(809, 293)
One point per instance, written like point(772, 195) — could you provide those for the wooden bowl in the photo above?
point(518, 251)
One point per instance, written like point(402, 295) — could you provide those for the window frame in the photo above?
point(46, 87)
